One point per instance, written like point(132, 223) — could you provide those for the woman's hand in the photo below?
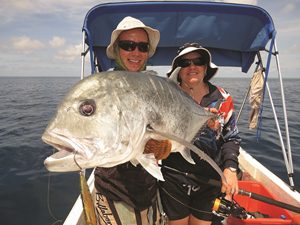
point(212, 110)
point(213, 123)
point(232, 187)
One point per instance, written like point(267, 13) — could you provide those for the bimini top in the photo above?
point(233, 33)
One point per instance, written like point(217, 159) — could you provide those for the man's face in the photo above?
point(134, 60)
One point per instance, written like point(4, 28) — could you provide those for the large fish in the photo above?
point(103, 120)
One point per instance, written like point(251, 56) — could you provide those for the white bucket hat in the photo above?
point(129, 23)
point(187, 48)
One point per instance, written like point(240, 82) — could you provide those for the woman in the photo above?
point(186, 196)
point(126, 194)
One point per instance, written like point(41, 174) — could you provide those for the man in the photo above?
point(126, 194)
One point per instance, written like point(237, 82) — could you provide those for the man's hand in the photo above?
point(160, 148)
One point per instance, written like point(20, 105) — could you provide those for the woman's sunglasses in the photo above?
point(187, 62)
point(131, 46)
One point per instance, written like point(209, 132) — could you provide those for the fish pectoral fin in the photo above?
point(150, 164)
point(186, 154)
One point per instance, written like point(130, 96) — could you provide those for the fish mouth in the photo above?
point(56, 141)
point(64, 159)
point(62, 152)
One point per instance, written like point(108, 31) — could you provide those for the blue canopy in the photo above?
point(234, 33)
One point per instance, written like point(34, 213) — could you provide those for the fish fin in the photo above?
point(186, 154)
point(193, 148)
point(134, 162)
point(150, 164)
point(150, 72)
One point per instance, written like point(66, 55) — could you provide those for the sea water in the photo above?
point(29, 196)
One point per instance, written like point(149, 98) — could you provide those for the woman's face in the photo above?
point(134, 60)
point(192, 74)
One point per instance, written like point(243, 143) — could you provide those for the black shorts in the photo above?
point(182, 196)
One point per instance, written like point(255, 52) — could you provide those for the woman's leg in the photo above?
point(184, 221)
point(194, 221)
point(191, 220)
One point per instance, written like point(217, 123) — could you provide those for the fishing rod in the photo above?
point(226, 207)
point(269, 200)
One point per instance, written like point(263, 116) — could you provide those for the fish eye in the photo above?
point(87, 107)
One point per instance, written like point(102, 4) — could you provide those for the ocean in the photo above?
point(29, 195)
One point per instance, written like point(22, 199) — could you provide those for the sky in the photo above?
point(43, 38)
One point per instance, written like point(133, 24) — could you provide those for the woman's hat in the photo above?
point(129, 23)
point(192, 47)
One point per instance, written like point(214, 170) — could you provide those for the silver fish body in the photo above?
point(102, 121)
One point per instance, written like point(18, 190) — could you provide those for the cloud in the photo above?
point(294, 49)
point(70, 54)
point(290, 27)
point(57, 42)
point(288, 8)
point(22, 5)
point(25, 44)
point(16, 9)
point(27, 22)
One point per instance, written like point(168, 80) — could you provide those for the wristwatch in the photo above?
point(232, 169)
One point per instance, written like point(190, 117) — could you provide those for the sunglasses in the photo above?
point(187, 62)
point(131, 46)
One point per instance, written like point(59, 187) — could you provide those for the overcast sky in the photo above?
point(43, 38)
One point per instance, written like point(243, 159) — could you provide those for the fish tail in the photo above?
point(87, 202)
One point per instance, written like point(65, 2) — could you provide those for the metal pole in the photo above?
point(279, 132)
point(285, 116)
point(82, 55)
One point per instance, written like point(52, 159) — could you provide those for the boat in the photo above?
point(237, 35)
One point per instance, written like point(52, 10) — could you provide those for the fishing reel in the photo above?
point(225, 208)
